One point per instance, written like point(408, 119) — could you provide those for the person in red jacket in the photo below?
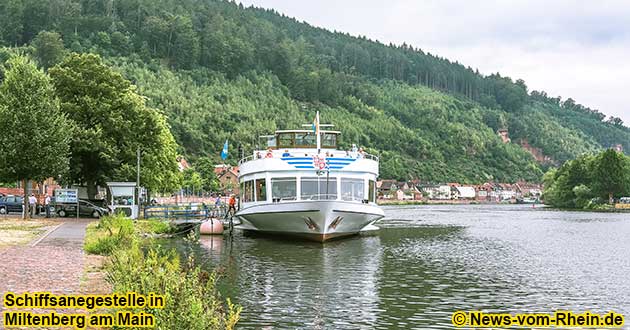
point(232, 204)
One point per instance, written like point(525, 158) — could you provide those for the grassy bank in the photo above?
point(17, 231)
point(192, 301)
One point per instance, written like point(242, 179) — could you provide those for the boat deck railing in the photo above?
point(262, 154)
point(183, 212)
point(246, 159)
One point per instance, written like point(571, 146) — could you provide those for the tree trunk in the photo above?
point(26, 214)
point(610, 198)
point(91, 190)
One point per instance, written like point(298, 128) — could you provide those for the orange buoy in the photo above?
point(211, 227)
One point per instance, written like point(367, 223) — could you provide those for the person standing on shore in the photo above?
point(32, 202)
point(217, 206)
point(47, 205)
point(232, 203)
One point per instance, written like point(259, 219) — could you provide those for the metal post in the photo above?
point(327, 182)
point(138, 183)
point(318, 136)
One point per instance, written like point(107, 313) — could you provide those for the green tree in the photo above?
point(582, 195)
point(49, 48)
point(12, 16)
point(112, 122)
point(610, 173)
point(185, 46)
point(192, 181)
point(205, 167)
point(34, 133)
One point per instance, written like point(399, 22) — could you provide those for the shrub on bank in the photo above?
point(116, 231)
point(191, 298)
point(153, 226)
point(108, 234)
point(192, 301)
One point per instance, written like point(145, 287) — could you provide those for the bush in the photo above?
point(110, 233)
point(154, 226)
point(191, 299)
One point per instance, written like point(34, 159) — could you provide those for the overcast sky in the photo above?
point(577, 49)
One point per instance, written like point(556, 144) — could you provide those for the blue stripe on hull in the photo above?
point(300, 163)
point(334, 163)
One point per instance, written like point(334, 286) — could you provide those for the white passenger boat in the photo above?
point(303, 186)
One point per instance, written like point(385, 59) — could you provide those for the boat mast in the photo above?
point(318, 136)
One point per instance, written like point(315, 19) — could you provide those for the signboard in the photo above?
point(66, 196)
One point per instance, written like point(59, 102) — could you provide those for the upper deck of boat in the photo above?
point(303, 159)
point(304, 151)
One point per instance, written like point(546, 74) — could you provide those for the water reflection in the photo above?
point(299, 284)
point(425, 263)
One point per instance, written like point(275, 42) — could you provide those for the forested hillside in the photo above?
point(220, 71)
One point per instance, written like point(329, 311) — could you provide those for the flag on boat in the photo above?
point(316, 124)
point(224, 152)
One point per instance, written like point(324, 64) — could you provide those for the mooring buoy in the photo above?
point(211, 227)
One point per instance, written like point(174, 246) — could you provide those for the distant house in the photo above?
point(228, 178)
point(527, 189)
point(402, 195)
point(387, 189)
point(40, 189)
point(484, 192)
point(436, 191)
point(417, 194)
point(506, 191)
point(403, 185)
point(465, 192)
point(495, 195)
point(408, 194)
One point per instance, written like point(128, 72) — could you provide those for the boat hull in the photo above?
point(314, 220)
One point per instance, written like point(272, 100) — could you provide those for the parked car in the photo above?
point(86, 209)
point(10, 204)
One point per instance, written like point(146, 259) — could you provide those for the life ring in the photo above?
point(319, 162)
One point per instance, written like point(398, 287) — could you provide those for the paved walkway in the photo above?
point(54, 264)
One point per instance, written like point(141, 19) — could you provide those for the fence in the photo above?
point(191, 211)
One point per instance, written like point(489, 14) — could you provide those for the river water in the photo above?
point(427, 262)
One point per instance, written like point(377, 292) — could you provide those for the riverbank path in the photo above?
point(53, 262)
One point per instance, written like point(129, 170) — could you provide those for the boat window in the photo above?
point(283, 189)
point(248, 191)
point(285, 140)
point(305, 139)
point(352, 189)
point(372, 191)
point(329, 140)
point(267, 141)
point(261, 190)
point(315, 188)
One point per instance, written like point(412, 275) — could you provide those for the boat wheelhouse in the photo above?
point(302, 185)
